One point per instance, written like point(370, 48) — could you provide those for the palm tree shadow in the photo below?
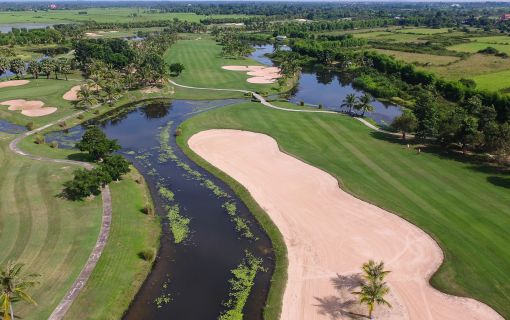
point(349, 282)
point(499, 181)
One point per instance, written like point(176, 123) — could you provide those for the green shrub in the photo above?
point(178, 132)
point(30, 126)
point(81, 116)
point(147, 254)
point(54, 144)
point(39, 139)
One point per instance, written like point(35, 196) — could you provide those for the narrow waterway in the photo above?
point(327, 88)
point(190, 279)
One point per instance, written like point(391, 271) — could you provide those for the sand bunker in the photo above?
point(260, 74)
point(13, 83)
point(72, 94)
point(32, 108)
point(329, 234)
point(149, 90)
point(92, 34)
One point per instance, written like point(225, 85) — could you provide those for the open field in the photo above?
point(391, 36)
point(203, 64)
point(52, 236)
point(120, 271)
point(99, 15)
point(493, 81)
point(473, 47)
point(420, 58)
point(449, 197)
point(493, 39)
point(424, 31)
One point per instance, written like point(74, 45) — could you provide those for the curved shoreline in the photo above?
point(223, 147)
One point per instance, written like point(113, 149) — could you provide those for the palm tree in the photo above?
point(13, 288)
point(364, 104)
point(373, 293)
point(374, 272)
point(111, 91)
point(86, 97)
point(349, 101)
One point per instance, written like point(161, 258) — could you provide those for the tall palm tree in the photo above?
point(373, 293)
point(86, 96)
point(111, 91)
point(13, 287)
point(373, 271)
point(364, 104)
point(349, 101)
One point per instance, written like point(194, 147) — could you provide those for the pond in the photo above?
point(327, 88)
point(7, 127)
point(190, 279)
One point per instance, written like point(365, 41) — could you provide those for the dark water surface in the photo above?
point(7, 127)
point(327, 88)
point(193, 274)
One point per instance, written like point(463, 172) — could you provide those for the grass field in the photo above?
point(98, 15)
point(424, 31)
point(120, 271)
point(52, 236)
point(473, 47)
point(48, 91)
point(493, 81)
point(203, 63)
point(411, 57)
point(493, 39)
point(398, 37)
point(463, 205)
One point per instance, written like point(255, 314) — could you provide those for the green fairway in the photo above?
point(51, 235)
point(203, 64)
point(120, 271)
point(99, 15)
point(48, 91)
point(463, 205)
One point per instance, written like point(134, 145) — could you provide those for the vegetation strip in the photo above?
point(84, 275)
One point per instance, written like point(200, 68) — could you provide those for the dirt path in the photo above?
point(329, 234)
point(85, 273)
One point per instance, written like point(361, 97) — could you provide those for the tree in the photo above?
point(349, 102)
point(47, 67)
point(84, 184)
point(404, 123)
point(34, 68)
point(364, 104)
point(116, 165)
point(17, 66)
point(177, 68)
point(427, 116)
point(373, 271)
point(373, 293)
point(65, 69)
point(497, 137)
point(86, 97)
point(468, 132)
point(4, 65)
point(13, 286)
point(95, 142)
point(111, 90)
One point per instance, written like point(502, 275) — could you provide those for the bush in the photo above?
point(148, 210)
point(116, 166)
point(81, 116)
point(54, 145)
point(62, 124)
point(30, 126)
point(178, 132)
point(147, 254)
point(96, 111)
point(302, 103)
point(39, 139)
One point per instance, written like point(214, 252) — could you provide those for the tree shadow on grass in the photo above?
point(499, 181)
point(477, 162)
point(79, 156)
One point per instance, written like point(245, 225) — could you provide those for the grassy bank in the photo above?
point(462, 204)
point(120, 271)
point(51, 235)
point(274, 301)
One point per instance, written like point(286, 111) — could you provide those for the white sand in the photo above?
point(149, 90)
point(329, 234)
point(72, 94)
point(260, 74)
point(31, 108)
point(92, 34)
point(13, 83)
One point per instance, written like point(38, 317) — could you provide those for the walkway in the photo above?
point(85, 273)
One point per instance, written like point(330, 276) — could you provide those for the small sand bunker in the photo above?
point(92, 34)
point(260, 74)
point(13, 83)
point(32, 108)
point(329, 234)
point(151, 90)
point(72, 94)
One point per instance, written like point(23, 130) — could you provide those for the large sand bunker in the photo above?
point(31, 108)
point(72, 94)
point(260, 74)
point(13, 83)
point(329, 234)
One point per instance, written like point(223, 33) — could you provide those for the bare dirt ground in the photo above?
point(72, 94)
point(329, 234)
point(29, 108)
point(13, 83)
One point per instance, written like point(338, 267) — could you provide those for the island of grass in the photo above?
point(446, 195)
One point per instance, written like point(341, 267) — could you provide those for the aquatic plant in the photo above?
point(240, 286)
point(241, 224)
point(166, 193)
point(179, 225)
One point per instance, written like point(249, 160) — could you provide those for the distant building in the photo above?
point(281, 38)
point(455, 5)
point(53, 6)
point(505, 17)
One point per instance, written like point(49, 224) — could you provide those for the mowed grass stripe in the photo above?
point(452, 200)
